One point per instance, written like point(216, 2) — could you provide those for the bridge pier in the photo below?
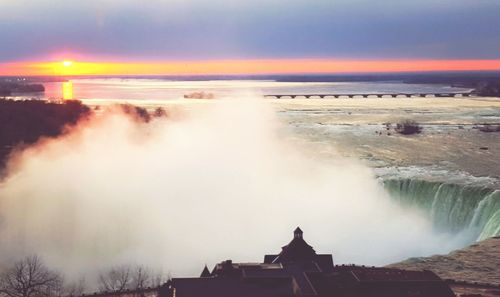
point(352, 96)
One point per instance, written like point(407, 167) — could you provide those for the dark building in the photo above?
point(299, 271)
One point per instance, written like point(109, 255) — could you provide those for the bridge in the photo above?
point(393, 95)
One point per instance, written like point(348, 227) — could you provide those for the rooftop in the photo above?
point(299, 271)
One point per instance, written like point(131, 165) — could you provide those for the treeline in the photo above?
point(8, 87)
point(30, 277)
point(141, 114)
point(25, 122)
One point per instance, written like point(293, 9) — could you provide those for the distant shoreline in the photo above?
point(457, 78)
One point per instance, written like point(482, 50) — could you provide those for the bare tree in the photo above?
point(159, 112)
point(117, 279)
point(158, 278)
point(125, 277)
point(75, 288)
point(29, 277)
point(141, 278)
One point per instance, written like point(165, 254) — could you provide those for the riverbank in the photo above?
point(478, 262)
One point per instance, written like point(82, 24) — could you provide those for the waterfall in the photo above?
point(470, 211)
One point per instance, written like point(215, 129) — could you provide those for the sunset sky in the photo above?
point(259, 36)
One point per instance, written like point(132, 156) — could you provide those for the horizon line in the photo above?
point(304, 66)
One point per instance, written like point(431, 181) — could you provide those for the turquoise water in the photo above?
point(471, 211)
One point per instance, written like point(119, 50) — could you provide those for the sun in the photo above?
point(67, 63)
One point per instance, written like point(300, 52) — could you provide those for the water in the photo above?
point(453, 182)
point(161, 89)
point(470, 211)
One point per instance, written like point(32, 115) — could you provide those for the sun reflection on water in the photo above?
point(67, 90)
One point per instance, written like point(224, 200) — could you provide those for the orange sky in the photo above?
point(284, 66)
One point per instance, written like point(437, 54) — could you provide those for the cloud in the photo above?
point(202, 29)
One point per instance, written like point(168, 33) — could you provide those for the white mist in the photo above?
point(220, 182)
